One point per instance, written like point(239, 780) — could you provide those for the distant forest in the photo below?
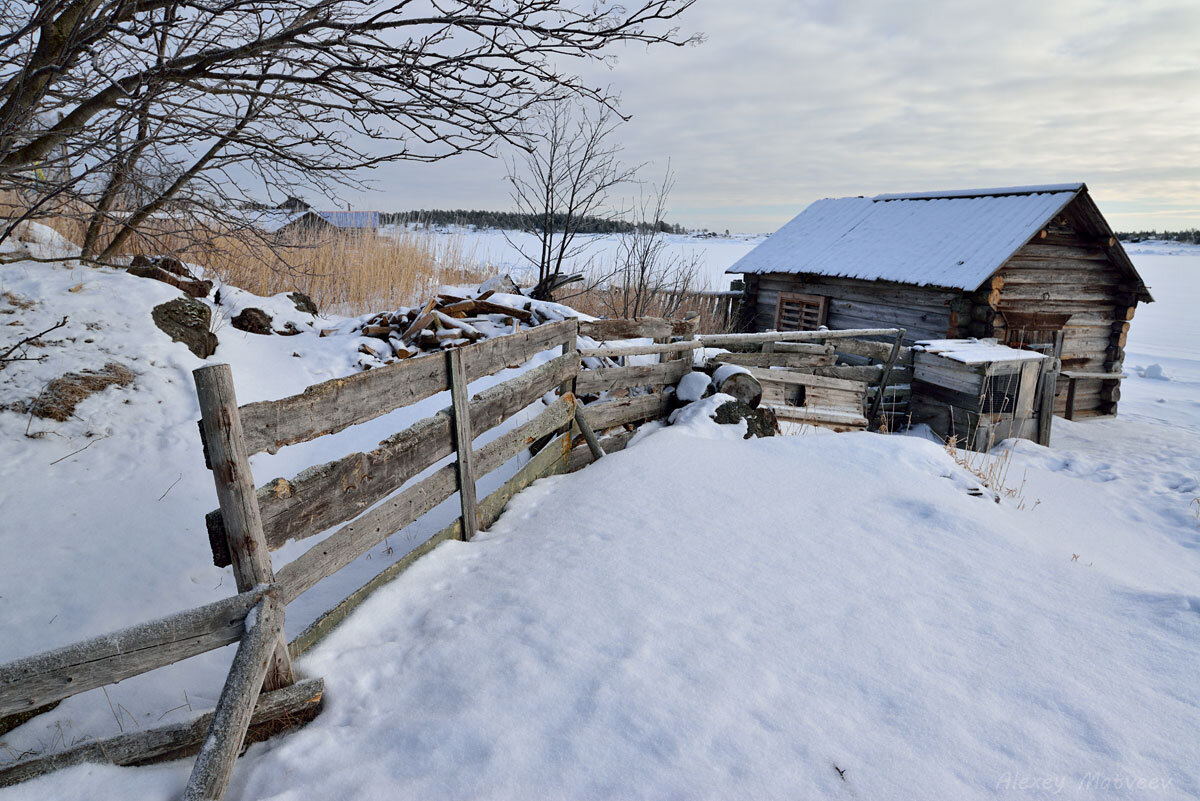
point(512, 221)
point(1191, 235)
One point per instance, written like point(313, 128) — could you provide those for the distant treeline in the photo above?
point(513, 221)
point(1191, 235)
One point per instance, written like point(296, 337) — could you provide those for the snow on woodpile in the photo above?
point(975, 351)
point(949, 239)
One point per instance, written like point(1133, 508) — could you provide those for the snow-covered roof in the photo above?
point(951, 239)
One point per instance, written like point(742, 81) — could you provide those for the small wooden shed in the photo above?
point(1027, 265)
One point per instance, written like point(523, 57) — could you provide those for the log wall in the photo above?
point(1067, 272)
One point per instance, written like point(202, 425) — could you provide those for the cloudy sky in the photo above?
point(792, 100)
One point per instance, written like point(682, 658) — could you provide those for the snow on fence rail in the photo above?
point(251, 522)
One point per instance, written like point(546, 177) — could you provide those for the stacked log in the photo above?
point(446, 322)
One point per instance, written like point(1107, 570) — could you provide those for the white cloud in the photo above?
point(790, 101)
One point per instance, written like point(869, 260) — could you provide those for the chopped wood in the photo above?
point(380, 331)
point(744, 387)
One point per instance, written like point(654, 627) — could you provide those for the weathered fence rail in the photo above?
point(361, 499)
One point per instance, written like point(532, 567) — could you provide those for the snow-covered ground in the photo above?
point(699, 616)
point(502, 251)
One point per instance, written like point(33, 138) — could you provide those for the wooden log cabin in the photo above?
point(1022, 264)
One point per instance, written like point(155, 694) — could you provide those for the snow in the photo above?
point(1005, 190)
point(725, 371)
point(499, 251)
point(975, 351)
point(697, 616)
point(945, 240)
point(693, 386)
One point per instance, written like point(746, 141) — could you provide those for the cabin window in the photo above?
point(801, 312)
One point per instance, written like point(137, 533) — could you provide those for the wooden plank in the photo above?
point(334, 492)
point(337, 404)
point(720, 340)
point(805, 380)
point(581, 455)
point(51, 676)
point(174, 740)
point(357, 537)
point(839, 419)
point(775, 359)
point(614, 352)
point(588, 434)
point(463, 439)
point(873, 413)
point(879, 351)
point(1096, 375)
point(548, 461)
point(607, 414)
point(231, 719)
point(225, 450)
point(645, 327)
point(604, 379)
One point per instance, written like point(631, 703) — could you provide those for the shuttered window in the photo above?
point(801, 312)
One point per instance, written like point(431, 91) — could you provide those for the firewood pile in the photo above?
point(450, 321)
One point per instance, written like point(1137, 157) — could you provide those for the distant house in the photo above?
point(318, 222)
point(1022, 264)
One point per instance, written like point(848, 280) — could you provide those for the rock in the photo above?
point(759, 422)
point(186, 320)
point(252, 320)
point(303, 303)
point(195, 289)
point(141, 261)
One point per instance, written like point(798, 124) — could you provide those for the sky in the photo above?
point(789, 101)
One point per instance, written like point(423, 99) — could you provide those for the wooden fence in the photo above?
point(356, 496)
point(365, 497)
point(841, 379)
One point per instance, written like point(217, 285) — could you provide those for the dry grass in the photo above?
point(992, 470)
point(348, 273)
point(710, 320)
point(344, 273)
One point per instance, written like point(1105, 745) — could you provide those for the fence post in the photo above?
point(460, 397)
point(225, 451)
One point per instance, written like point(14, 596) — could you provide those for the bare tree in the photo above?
point(647, 277)
point(563, 178)
point(130, 108)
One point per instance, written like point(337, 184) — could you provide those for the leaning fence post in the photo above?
point(884, 375)
point(225, 450)
point(459, 396)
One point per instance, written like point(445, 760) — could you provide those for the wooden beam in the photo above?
point(51, 676)
point(588, 434)
point(463, 438)
point(231, 719)
point(357, 537)
point(175, 740)
point(603, 379)
point(548, 461)
point(339, 403)
point(717, 340)
point(873, 414)
point(329, 494)
point(613, 352)
point(225, 448)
